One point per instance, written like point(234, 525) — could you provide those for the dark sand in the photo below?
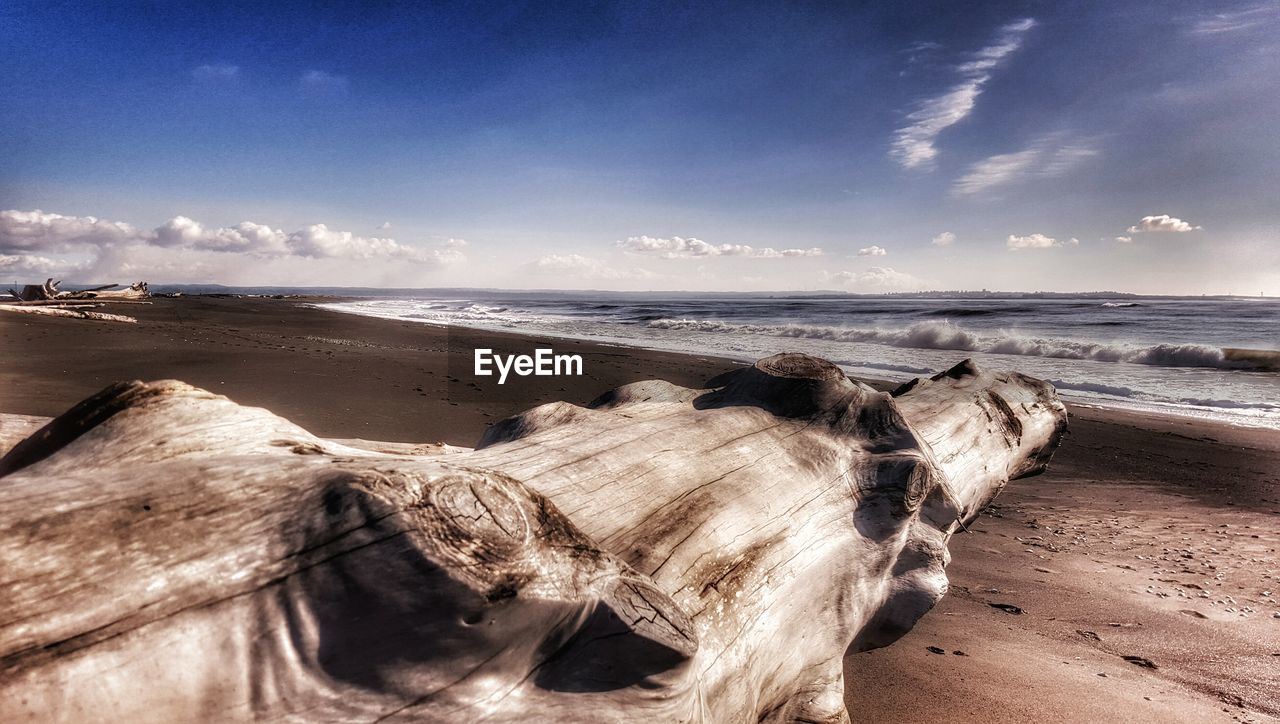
point(1149, 537)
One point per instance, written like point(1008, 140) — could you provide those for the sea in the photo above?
point(1213, 358)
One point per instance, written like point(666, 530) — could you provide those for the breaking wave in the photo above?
point(948, 336)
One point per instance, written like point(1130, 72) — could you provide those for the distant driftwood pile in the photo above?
point(48, 300)
point(664, 554)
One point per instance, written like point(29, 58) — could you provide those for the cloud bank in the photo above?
point(678, 247)
point(30, 241)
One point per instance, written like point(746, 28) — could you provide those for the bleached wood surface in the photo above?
point(75, 312)
point(665, 555)
point(16, 428)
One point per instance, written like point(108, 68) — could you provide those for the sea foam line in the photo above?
point(945, 335)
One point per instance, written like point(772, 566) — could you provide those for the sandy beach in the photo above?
point(1139, 579)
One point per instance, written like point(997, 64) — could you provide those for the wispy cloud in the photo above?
point(995, 171)
point(1036, 241)
point(873, 251)
point(913, 145)
point(322, 84)
point(1163, 223)
point(216, 73)
point(678, 247)
point(581, 267)
point(918, 54)
point(946, 238)
point(1235, 21)
point(1044, 157)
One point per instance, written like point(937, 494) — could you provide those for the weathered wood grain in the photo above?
point(664, 554)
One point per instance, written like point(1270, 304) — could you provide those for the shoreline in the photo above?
point(1152, 533)
point(1076, 394)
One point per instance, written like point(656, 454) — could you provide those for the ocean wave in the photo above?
point(1230, 404)
point(977, 311)
point(1122, 304)
point(949, 336)
point(1130, 393)
point(1113, 390)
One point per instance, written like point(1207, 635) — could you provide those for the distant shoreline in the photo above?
point(384, 292)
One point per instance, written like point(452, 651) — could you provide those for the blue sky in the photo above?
point(1018, 145)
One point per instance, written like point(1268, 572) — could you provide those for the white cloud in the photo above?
point(913, 144)
point(1162, 223)
point(1043, 157)
point(770, 253)
point(872, 251)
point(316, 241)
point(1124, 239)
point(876, 279)
point(946, 238)
point(1036, 241)
point(321, 84)
point(37, 230)
point(216, 73)
point(30, 265)
point(319, 241)
point(246, 236)
point(384, 226)
point(678, 247)
point(456, 244)
point(23, 231)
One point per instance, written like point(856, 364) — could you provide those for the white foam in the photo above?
point(946, 335)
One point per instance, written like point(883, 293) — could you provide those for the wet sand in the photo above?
point(1153, 538)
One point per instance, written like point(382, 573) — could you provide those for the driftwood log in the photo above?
point(46, 299)
point(50, 291)
point(76, 311)
point(665, 554)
